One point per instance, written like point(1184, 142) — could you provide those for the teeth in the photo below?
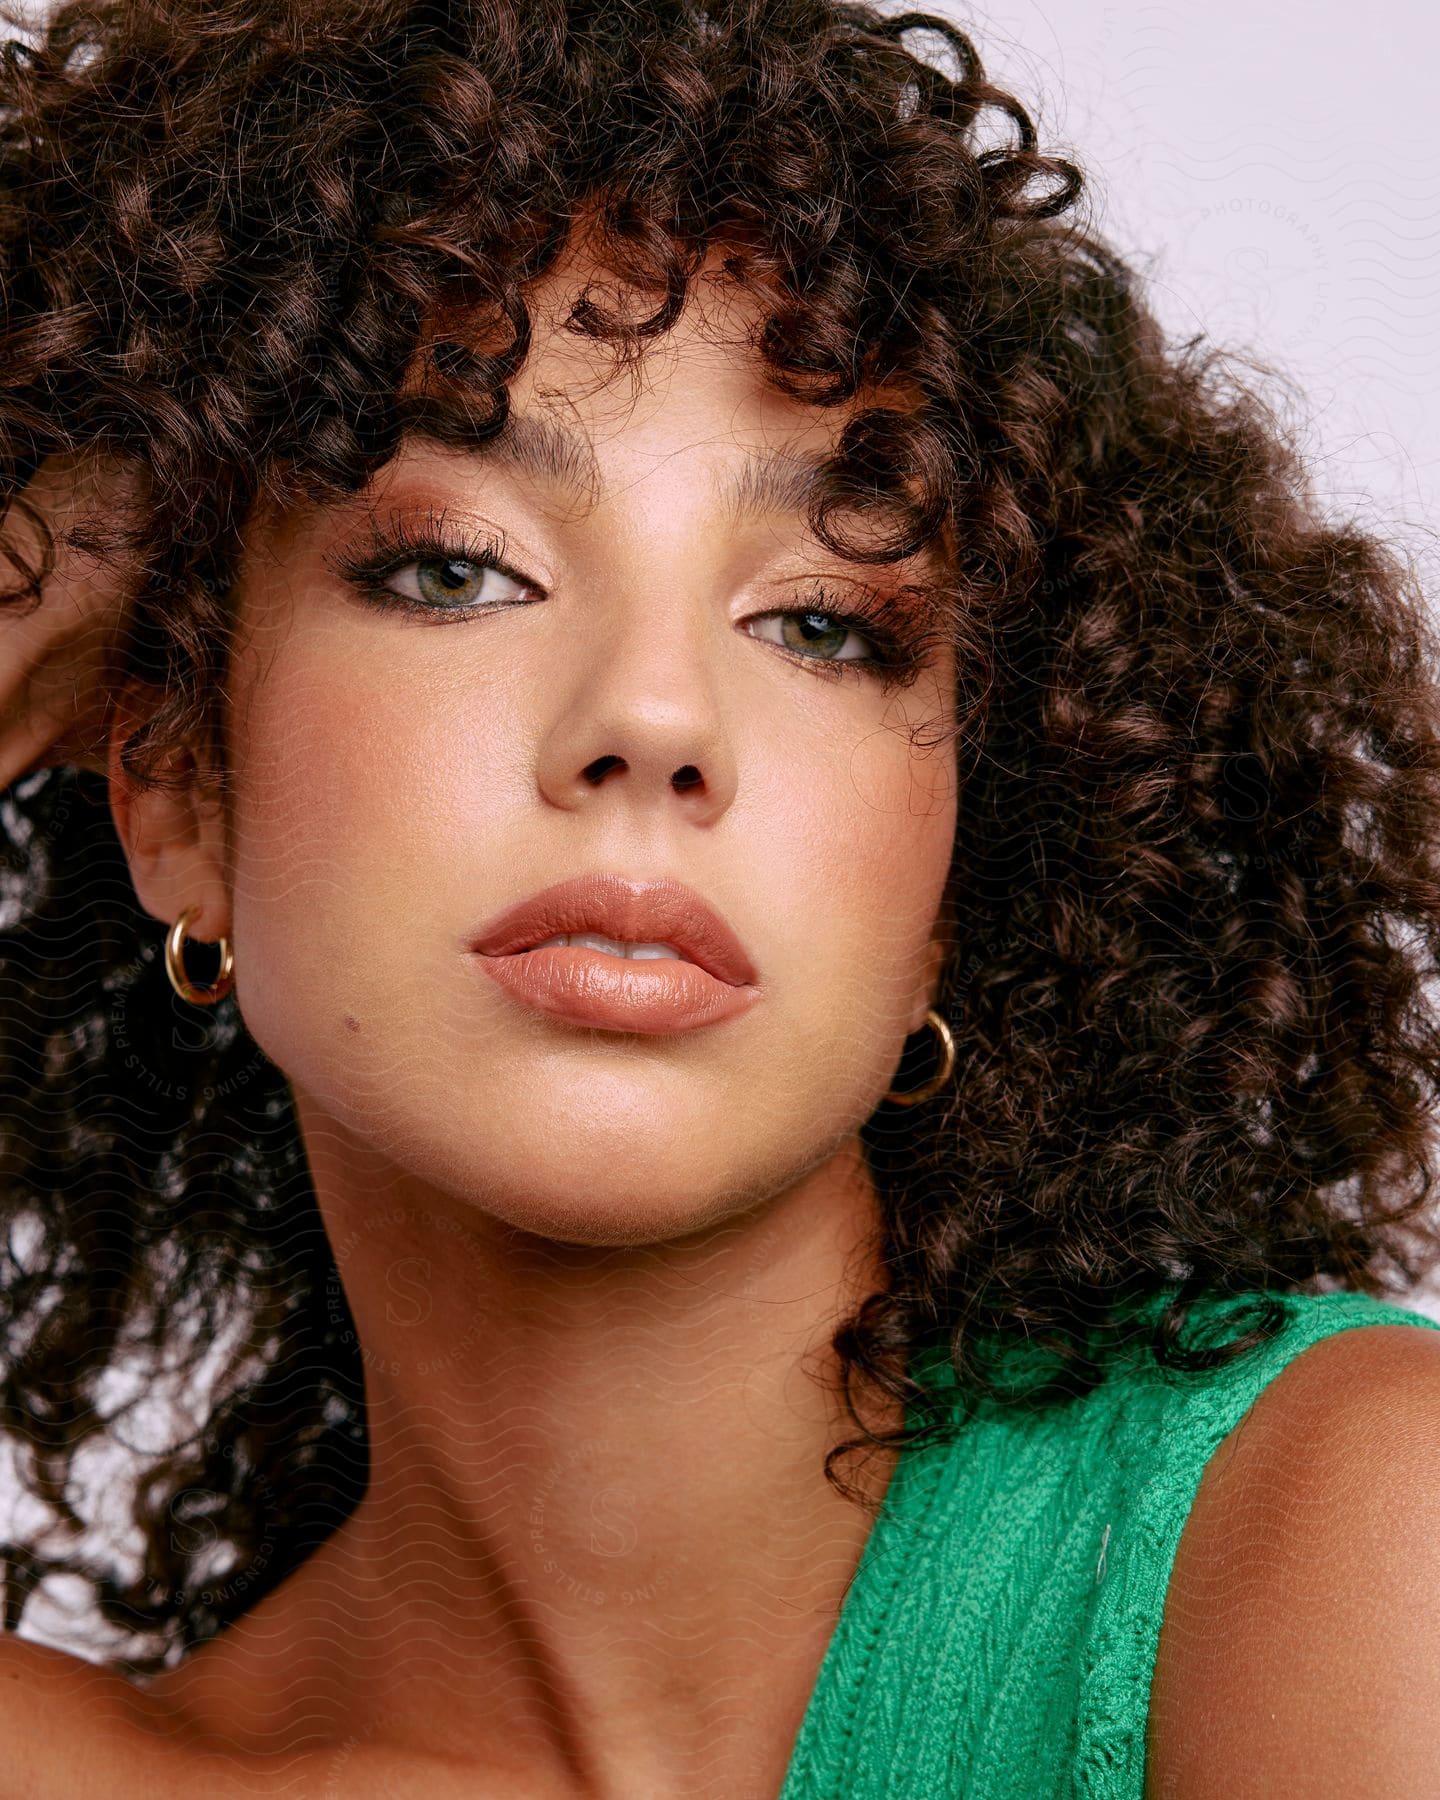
point(592, 940)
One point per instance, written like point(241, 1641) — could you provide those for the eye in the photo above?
point(429, 570)
point(880, 635)
point(818, 636)
point(453, 581)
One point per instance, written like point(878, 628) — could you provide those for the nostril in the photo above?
point(687, 777)
point(601, 767)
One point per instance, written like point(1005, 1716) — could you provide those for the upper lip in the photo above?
point(634, 911)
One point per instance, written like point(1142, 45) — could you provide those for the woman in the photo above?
point(1022, 803)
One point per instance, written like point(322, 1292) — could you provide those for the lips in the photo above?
point(634, 911)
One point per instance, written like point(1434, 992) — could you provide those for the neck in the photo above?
point(596, 1481)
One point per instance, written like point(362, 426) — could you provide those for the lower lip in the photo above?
point(618, 993)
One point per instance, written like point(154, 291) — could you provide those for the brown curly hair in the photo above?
point(1194, 890)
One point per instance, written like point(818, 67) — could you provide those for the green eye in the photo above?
point(817, 636)
point(455, 581)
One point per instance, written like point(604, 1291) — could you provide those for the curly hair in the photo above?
point(1194, 888)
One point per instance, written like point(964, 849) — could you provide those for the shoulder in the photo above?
point(73, 1731)
point(1300, 1641)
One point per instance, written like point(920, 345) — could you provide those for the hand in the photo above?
point(59, 661)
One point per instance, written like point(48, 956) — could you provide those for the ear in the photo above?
point(173, 836)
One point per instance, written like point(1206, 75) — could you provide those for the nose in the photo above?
point(685, 777)
point(644, 715)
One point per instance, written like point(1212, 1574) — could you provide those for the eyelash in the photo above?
point(887, 622)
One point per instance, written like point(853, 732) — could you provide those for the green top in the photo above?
point(998, 1639)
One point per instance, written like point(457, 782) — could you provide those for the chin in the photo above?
point(622, 1222)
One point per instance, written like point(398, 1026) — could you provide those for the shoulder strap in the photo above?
point(1172, 1424)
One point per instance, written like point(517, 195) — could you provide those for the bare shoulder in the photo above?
point(73, 1731)
point(1300, 1642)
point(70, 1730)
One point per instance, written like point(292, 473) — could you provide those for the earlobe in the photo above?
point(171, 833)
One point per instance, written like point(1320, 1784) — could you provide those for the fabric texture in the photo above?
point(998, 1639)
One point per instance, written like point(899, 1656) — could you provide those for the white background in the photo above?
point(1275, 172)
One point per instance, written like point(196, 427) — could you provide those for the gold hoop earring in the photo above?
point(175, 965)
point(942, 1075)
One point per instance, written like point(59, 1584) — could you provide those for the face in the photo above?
point(417, 739)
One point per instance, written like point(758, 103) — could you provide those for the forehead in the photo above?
point(696, 397)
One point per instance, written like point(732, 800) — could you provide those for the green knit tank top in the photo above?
point(998, 1638)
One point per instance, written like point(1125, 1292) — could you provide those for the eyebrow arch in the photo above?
point(545, 449)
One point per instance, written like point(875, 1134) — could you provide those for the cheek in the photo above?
point(847, 859)
point(361, 815)
point(874, 832)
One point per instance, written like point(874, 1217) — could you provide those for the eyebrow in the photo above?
point(545, 449)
